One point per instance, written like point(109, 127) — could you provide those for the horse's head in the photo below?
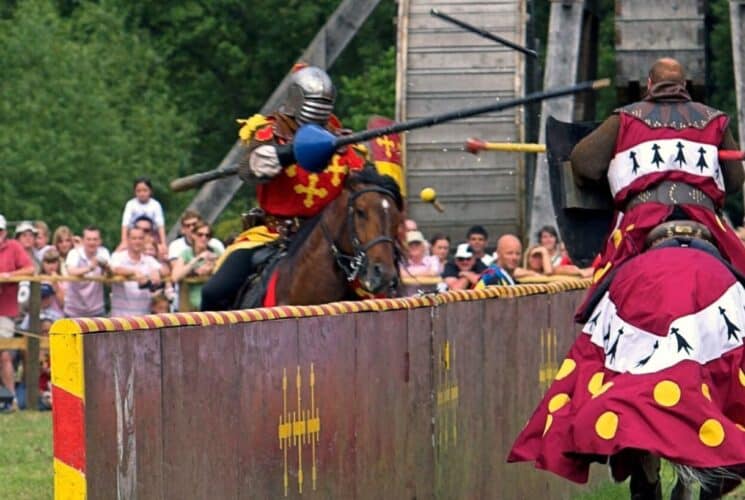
point(369, 235)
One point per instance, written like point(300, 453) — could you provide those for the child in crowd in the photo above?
point(159, 304)
point(440, 248)
point(144, 204)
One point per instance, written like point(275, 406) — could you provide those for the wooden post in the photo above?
point(184, 305)
point(737, 19)
point(31, 363)
point(564, 35)
point(328, 43)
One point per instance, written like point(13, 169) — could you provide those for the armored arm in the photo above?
point(732, 170)
point(592, 155)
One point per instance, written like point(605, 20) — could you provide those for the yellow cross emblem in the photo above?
point(386, 144)
point(337, 170)
point(311, 191)
point(291, 171)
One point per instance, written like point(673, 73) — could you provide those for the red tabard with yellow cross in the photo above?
point(385, 152)
point(296, 192)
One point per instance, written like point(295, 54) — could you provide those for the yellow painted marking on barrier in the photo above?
point(299, 428)
point(110, 327)
point(69, 483)
point(447, 397)
point(232, 318)
point(549, 357)
point(66, 352)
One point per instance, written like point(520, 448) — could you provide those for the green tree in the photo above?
point(84, 108)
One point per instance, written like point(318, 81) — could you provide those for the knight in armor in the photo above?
point(659, 157)
point(659, 367)
point(287, 193)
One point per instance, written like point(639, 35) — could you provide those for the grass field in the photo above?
point(26, 462)
point(26, 455)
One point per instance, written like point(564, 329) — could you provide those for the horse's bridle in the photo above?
point(353, 265)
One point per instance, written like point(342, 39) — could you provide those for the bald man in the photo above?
point(507, 267)
point(659, 158)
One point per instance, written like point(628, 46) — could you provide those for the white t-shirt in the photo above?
point(177, 247)
point(128, 299)
point(84, 298)
point(151, 209)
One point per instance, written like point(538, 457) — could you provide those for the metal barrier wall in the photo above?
point(401, 399)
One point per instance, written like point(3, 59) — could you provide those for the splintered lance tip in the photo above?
point(601, 84)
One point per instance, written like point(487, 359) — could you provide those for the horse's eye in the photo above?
point(360, 213)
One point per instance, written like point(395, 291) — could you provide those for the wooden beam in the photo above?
point(328, 43)
point(737, 21)
point(564, 35)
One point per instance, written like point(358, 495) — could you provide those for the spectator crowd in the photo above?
point(150, 269)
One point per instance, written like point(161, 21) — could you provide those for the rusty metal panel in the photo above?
point(459, 394)
point(123, 415)
point(420, 458)
point(327, 348)
point(381, 405)
point(266, 395)
point(200, 412)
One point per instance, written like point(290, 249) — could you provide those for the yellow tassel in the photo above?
point(250, 125)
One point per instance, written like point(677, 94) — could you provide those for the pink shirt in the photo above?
point(430, 265)
point(12, 258)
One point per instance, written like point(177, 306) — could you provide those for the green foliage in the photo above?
point(84, 109)
point(370, 93)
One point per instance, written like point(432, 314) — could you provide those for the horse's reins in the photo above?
point(352, 265)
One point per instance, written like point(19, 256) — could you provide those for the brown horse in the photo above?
point(350, 247)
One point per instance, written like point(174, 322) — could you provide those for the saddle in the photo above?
point(264, 262)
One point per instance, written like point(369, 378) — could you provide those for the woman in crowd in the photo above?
point(548, 238)
point(538, 259)
point(63, 241)
point(417, 262)
point(440, 248)
point(196, 260)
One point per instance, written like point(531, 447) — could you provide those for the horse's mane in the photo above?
point(370, 175)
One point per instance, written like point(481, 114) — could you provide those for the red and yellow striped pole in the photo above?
point(68, 416)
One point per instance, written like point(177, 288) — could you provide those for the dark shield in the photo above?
point(584, 216)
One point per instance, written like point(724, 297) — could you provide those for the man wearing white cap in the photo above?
point(14, 261)
point(464, 270)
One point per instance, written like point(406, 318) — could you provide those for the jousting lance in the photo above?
point(475, 146)
point(483, 33)
point(314, 146)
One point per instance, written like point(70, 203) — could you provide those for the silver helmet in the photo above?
point(310, 98)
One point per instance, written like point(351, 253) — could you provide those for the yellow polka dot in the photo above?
point(741, 376)
point(549, 421)
point(711, 433)
point(705, 391)
point(630, 228)
point(558, 402)
point(666, 393)
point(617, 236)
point(602, 389)
point(595, 383)
point(607, 425)
point(566, 368)
point(740, 427)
